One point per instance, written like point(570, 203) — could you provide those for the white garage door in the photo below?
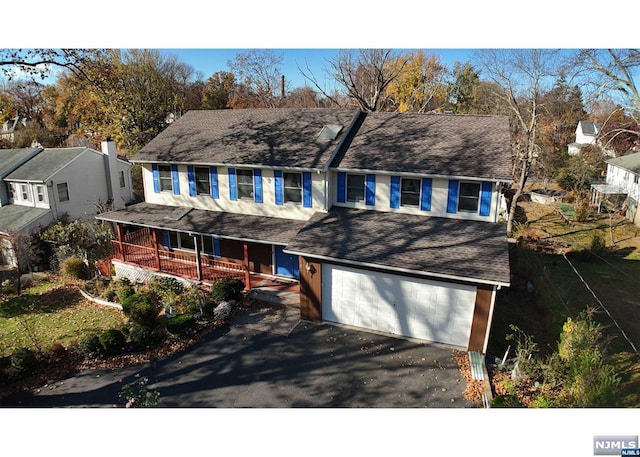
point(417, 308)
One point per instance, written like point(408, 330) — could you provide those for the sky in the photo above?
point(209, 61)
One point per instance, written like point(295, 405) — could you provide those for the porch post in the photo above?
point(120, 235)
point(156, 252)
point(198, 264)
point(247, 274)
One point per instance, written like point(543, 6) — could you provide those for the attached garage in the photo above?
point(410, 307)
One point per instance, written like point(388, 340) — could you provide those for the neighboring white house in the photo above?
point(622, 186)
point(389, 221)
point(49, 183)
point(586, 134)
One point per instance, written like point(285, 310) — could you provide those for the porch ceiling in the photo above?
point(245, 227)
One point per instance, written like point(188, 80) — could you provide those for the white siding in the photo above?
point(268, 206)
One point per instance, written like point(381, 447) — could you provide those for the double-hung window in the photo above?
point(63, 192)
point(410, 192)
point(181, 240)
point(40, 198)
point(165, 178)
point(24, 191)
point(203, 184)
point(355, 188)
point(292, 187)
point(469, 197)
point(245, 184)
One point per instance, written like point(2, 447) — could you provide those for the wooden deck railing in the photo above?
point(177, 263)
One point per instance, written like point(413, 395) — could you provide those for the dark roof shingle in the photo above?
point(45, 164)
point(441, 247)
point(260, 137)
point(433, 144)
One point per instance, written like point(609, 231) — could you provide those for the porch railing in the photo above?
point(177, 263)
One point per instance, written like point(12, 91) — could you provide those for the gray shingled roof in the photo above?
point(590, 128)
point(432, 144)
point(226, 225)
point(45, 164)
point(629, 162)
point(267, 137)
point(14, 218)
point(10, 159)
point(472, 250)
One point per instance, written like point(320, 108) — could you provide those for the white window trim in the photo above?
point(162, 179)
point(244, 172)
point(285, 187)
point(206, 191)
point(469, 211)
point(364, 188)
point(417, 205)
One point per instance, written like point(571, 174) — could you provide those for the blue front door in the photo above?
point(287, 264)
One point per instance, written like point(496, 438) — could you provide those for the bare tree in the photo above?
point(363, 75)
point(39, 62)
point(259, 71)
point(521, 76)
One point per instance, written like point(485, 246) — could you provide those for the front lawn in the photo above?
point(51, 311)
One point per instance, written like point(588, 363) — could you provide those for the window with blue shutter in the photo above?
point(394, 197)
point(233, 186)
point(277, 175)
point(342, 187)
point(452, 197)
point(166, 240)
point(485, 198)
point(156, 177)
point(176, 179)
point(307, 199)
point(213, 182)
point(191, 175)
point(257, 184)
point(370, 190)
point(425, 196)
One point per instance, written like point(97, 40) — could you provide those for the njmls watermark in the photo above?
point(626, 445)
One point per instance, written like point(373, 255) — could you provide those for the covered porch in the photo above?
point(204, 246)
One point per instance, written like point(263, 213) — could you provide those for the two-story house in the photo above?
point(42, 185)
point(388, 221)
point(622, 187)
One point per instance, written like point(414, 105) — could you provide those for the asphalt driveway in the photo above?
point(300, 364)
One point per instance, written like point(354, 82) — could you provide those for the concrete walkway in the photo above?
point(267, 359)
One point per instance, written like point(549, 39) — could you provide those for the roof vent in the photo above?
point(329, 132)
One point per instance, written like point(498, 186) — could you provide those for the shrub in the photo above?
point(57, 351)
point(112, 341)
point(24, 360)
point(7, 287)
point(90, 345)
point(140, 310)
point(110, 294)
point(124, 289)
point(506, 401)
point(181, 324)
point(583, 211)
point(598, 244)
point(225, 289)
point(74, 267)
point(143, 337)
point(165, 284)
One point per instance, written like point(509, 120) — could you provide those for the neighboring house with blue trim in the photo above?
point(388, 221)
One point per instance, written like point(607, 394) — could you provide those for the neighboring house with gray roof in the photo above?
point(45, 184)
point(387, 221)
point(587, 134)
point(10, 159)
point(622, 187)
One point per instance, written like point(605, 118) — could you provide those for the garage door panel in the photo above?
point(418, 308)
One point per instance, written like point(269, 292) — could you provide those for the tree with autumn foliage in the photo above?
point(219, 91)
point(418, 85)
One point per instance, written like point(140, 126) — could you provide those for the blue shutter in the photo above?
point(307, 200)
point(425, 195)
point(279, 190)
point(452, 198)
point(191, 174)
point(216, 246)
point(257, 185)
point(156, 177)
point(176, 179)
point(485, 198)
point(233, 187)
point(166, 242)
point(370, 190)
point(342, 187)
point(213, 182)
point(394, 197)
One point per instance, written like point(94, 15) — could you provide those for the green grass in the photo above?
point(50, 311)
